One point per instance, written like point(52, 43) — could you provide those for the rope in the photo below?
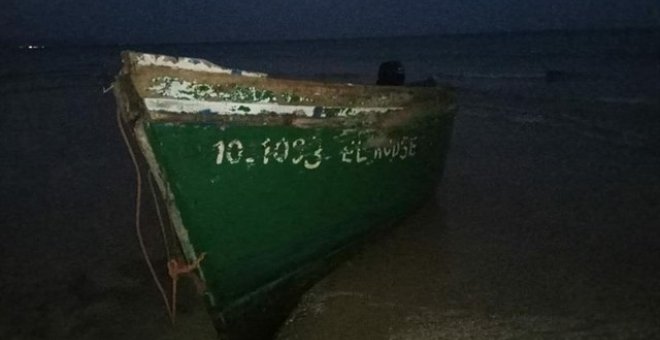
point(177, 267)
point(160, 217)
point(107, 89)
point(138, 229)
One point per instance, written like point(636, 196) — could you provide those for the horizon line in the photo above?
point(51, 43)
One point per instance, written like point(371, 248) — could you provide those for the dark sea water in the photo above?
point(556, 151)
point(606, 68)
point(624, 64)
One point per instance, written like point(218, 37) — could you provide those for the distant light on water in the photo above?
point(32, 47)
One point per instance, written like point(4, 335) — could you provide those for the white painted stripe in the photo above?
point(233, 108)
point(191, 64)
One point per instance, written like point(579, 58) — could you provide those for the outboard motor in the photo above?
point(391, 73)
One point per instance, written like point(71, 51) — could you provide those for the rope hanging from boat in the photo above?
point(160, 217)
point(175, 267)
point(107, 89)
point(138, 208)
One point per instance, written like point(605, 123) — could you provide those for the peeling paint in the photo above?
point(182, 89)
point(233, 108)
point(191, 64)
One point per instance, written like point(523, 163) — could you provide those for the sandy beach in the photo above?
point(537, 232)
point(545, 226)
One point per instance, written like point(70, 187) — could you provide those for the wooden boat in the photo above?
point(272, 179)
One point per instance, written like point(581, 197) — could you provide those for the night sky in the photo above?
point(160, 21)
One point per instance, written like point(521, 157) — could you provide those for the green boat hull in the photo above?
point(273, 205)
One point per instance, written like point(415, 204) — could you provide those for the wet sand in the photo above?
point(71, 264)
point(538, 231)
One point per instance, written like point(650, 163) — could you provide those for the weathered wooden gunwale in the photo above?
point(317, 94)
